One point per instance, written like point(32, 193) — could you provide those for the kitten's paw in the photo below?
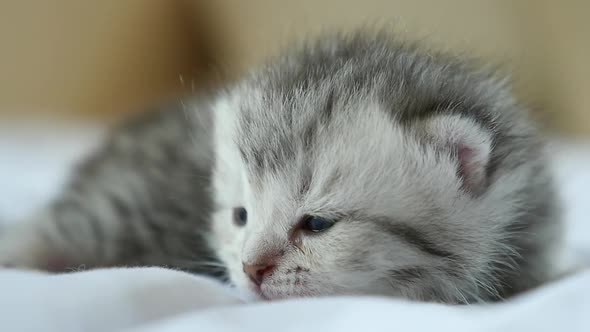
point(22, 247)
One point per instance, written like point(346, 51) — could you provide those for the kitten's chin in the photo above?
point(250, 291)
point(269, 292)
point(282, 287)
point(266, 293)
point(260, 294)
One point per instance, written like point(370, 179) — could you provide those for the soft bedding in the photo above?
point(34, 162)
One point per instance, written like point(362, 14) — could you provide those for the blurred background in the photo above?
point(99, 60)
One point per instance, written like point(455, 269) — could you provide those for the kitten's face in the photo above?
point(360, 205)
point(348, 192)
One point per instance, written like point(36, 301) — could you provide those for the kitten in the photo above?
point(350, 165)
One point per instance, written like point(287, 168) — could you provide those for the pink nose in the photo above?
point(256, 273)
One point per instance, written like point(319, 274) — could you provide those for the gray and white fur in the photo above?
point(428, 177)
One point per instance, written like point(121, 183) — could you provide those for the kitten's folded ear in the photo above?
point(467, 143)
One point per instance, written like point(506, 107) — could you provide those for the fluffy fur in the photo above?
point(432, 173)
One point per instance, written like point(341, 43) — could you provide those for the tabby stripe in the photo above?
point(415, 238)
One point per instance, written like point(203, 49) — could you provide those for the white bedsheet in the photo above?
point(33, 164)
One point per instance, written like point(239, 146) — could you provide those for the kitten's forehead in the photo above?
point(277, 130)
point(328, 160)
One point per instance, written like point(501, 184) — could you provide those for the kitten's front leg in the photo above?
point(20, 247)
point(37, 244)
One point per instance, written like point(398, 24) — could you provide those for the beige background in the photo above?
point(101, 59)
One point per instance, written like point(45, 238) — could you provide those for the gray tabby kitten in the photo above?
point(352, 165)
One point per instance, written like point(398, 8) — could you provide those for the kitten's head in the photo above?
point(369, 167)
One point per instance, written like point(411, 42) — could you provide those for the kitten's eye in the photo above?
point(316, 224)
point(240, 216)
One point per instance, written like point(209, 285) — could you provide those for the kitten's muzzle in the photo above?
point(257, 272)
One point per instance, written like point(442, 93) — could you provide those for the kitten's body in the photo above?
point(431, 175)
point(142, 199)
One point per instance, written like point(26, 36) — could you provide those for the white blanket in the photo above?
point(34, 163)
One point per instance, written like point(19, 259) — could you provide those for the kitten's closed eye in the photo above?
point(240, 216)
point(316, 224)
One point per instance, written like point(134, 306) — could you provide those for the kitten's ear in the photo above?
point(468, 143)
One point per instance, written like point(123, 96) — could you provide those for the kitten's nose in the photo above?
point(256, 273)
